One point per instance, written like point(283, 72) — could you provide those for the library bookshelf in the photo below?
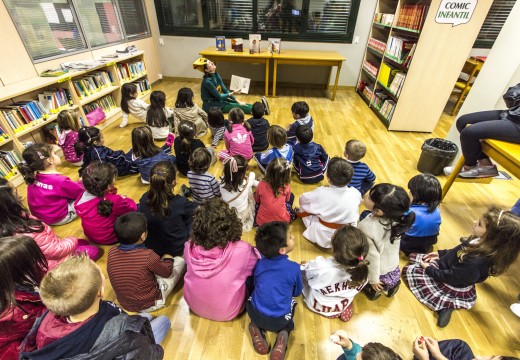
point(411, 62)
point(84, 91)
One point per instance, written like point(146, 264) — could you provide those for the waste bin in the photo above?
point(436, 154)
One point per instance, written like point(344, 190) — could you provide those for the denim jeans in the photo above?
point(160, 326)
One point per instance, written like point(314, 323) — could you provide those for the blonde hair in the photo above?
point(72, 287)
point(67, 120)
point(355, 150)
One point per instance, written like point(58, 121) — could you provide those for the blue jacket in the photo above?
point(122, 161)
point(310, 160)
point(426, 223)
point(264, 158)
point(291, 133)
point(213, 92)
point(145, 165)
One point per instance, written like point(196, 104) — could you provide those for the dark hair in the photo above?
point(233, 180)
point(350, 249)
point(339, 171)
point(87, 136)
point(162, 176)
point(500, 243)
point(271, 237)
point(130, 227)
point(187, 133)
point(508, 358)
point(200, 160)
point(236, 116)
point(378, 351)
point(300, 108)
point(67, 120)
point(127, 90)
point(143, 145)
point(258, 110)
point(184, 98)
point(155, 115)
point(22, 264)
point(215, 224)
point(355, 150)
point(215, 117)
point(304, 134)
point(394, 202)
point(35, 157)
point(14, 217)
point(98, 179)
point(276, 136)
point(278, 174)
point(426, 189)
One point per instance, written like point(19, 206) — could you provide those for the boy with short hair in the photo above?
point(141, 280)
point(277, 281)
point(259, 127)
point(327, 208)
point(310, 159)
point(80, 324)
point(363, 178)
point(300, 113)
point(203, 185)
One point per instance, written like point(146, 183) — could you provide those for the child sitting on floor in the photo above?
point(363, 178)
point(327, 208)
point(131, 105)
point(310, 159)
point(203, 185)
point(277, 138)
point(354, 351)
point(259, 127)
point(237, 137)
point(68, 122)
point(131, 262)
point(186, 109)
point(158, 116)
point(300, 113)
point(217, 125)
point(185, 144)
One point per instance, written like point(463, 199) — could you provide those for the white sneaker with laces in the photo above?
point(124, 122)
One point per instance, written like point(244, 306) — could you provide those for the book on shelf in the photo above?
point(3, 135)
point(220, 43)
point(130, 70)
point(377, 45)
point(384, 19)
point(255, 43)
point(107, 103)
point(399, 48)
point(53, 101)
point(386, 74)
point(370, 68)
point(387, 109)
point(240, 83)
point(237, 44)
point(143, 85)
point(397, 83)
point(9, 161)
point(273, 45)
point(379, 98)
point(412, 16)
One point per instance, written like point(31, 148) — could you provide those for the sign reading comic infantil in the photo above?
point(455, 12)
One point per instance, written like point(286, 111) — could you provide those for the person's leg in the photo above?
point(456, 349)
point(476, 117)
point(71, 215)
point(92, 251)
point(160, 326)
point(167, 284)
point(223, 155)
point(246, 108)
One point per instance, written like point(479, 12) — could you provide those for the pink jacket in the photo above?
point(239, 141)
point(54, 248)
point(214, 286)
point(100, 229)
point(67, 140)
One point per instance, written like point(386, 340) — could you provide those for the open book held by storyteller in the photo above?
point(240, 83)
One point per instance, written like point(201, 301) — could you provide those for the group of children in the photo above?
point(165, 236)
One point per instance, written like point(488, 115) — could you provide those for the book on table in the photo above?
point(240, 83)
point(237, 44)
point(220, 43)
point(273, 46)
point(254, 43)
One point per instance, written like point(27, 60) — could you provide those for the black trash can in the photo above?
point(436, 154)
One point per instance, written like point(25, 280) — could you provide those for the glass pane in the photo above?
point(133, 14)
point(230, 15)
point(47, 28)
point(100, 22)
point(279, 16)
point(330, 16)
point(182, 13)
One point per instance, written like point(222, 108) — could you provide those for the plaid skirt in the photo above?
point(436, 295)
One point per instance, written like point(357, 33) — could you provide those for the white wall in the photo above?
point(179, 52)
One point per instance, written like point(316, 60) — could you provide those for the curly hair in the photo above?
point(215, 224)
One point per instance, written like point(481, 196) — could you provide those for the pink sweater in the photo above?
point(214, 286)
point(239, 141)
point(49, 195)
point(100, 229)
point(67, 140)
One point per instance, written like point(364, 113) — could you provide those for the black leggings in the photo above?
point(484, 125)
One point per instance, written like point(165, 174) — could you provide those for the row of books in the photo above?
point(92, 83)
point(379, 98)
point(8, 163)
point(400, 49)
point(371, 68)
point(397, 83)
point(385, 19)
point(3, 135)
point(412, 16)
point(53, 101)
point(368, 93)
point(255, 44)
point(377, 45)
point(23, 114)
point(387, 109)
point(127, 71)
point(143, 86)
point(107, 103)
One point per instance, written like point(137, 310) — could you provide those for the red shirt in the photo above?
point(272, 208)
point(54, 327)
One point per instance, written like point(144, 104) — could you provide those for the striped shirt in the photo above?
point(218, 134)
point(363, 178)
point(203, 186)
point(132, 275)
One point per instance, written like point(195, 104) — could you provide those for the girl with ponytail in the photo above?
point(330, 284)
point(168, 215)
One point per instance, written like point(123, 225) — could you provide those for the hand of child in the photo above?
point(340, 337)
point(433, 347)
point(424, 264)
point(419, 348)
point(431, 257)
point(378, 286)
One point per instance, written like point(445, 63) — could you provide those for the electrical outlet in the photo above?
point(160, 76)
point(161, 41)
point(356, 39)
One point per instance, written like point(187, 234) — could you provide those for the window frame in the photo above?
point(304, 35)
point(487, 43)
point(147, 22)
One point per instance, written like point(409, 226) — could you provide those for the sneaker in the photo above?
point(170, 139)
point(185, 191)
point(371, 293)
point(259, 342)
point(515, 308)
point(124, 122)
point(280, 346)
point(444, 317)
point(480, 172)
point(392, 291)
point(448, 170)
point(266, 105)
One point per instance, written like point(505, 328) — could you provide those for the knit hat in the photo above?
point(199, 64)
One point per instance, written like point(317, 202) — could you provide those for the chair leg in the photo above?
point(459, 101)
point(453, 176)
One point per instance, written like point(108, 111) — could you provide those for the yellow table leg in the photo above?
point(328, 79)
point(337, 79)
point(266, 77)
point(453, 176)
point(275, 71)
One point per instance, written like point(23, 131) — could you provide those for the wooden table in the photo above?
point(244, 57)
point(309, 58)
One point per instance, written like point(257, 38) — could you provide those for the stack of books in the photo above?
point(368, 93)
point(23, 114)
point(397, 83)
point(128, 71)
point(8, 164)
point(143, 86)
point(369, 67)
point(376, 45)
point(387, 109)
point(107, 103)
point(379, 98)
point(412, 16)
point(53, 101)
point(385, 19)
point(399, 48)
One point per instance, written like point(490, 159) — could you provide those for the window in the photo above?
point(56, 28)
point(493, 23)
point(311, 20)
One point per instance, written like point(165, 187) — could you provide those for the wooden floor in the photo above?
point(489, 327)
